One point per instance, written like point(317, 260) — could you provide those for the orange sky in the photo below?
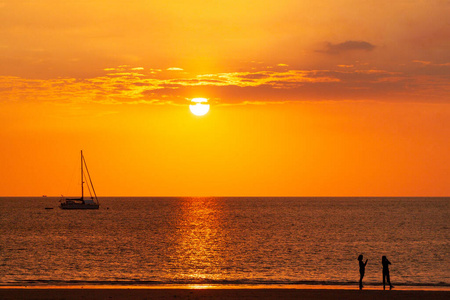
point(324, 98)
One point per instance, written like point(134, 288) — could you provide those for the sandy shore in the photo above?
point(154, 293)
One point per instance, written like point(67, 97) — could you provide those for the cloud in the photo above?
point(346, 66)
point(429, 63)
point(347, 46)
point(123, 85)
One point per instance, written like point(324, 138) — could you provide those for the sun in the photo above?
point(199, 106)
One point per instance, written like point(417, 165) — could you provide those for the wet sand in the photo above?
point(182, 293)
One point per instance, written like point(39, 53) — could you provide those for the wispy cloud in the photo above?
point(429, 63)
point(347, 46)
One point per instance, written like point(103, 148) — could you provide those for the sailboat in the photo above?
point(82, 203)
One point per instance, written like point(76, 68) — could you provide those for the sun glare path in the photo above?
point(199, 106)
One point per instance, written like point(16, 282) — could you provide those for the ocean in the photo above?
point(225, 241)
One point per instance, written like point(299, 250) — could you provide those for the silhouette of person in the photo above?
point(385, 262)
point(362, 269)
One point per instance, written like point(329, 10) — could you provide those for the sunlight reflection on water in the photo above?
point(201, 240)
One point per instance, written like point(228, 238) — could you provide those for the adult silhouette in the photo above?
point(362, 270)
point(385, 262)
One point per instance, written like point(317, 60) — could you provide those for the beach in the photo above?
point(215, 293)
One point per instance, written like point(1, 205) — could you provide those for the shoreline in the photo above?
point(269, 293)
point(228, 287)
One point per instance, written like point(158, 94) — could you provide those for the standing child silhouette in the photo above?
point(362, 269)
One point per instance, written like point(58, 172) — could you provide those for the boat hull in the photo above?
point(79, 206)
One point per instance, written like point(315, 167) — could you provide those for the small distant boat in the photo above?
point(82, 203)
point(44, 196)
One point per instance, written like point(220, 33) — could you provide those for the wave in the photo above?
point(155, 283)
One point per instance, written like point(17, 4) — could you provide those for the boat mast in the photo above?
point(82, 182)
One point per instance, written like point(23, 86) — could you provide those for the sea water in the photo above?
point(248, 241)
